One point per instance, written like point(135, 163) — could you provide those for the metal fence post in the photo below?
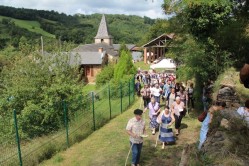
point(110, 105)
point(65, 121)
point(93, 112)
point(129, 92)
point(17, 139)
point(121, 98)
point(133, 88)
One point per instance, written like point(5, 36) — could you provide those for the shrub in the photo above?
point(105, 75)
point(124, 66)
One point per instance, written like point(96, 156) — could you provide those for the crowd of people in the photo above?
point(168, 102)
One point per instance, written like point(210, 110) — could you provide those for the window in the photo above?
point(102, 40)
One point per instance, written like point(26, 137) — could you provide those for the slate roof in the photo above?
point(87, 58)
point(103, 29)
point(129, 46)
point(95, 48)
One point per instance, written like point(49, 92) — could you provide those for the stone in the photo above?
point(225, 123)
point(220, 139)
point(218, 144)
point(226, 91)
point(218, 134)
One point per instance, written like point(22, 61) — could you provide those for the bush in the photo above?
point(124, 66)
point(37, 92)
point(105, 75)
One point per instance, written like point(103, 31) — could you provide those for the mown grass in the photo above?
point(88, 88)
point(142, 65)
point(33, 26)
point(110, 145)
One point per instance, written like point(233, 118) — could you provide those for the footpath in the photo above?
point(109, 145)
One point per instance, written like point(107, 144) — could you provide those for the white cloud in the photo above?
point(128, 7)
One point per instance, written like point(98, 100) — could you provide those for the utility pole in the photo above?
point(42, 45)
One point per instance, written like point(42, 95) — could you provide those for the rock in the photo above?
point(226, 91)
point(225, 123)
point(185, 156)
point(220, 139)
point(218, 144)
point(218, 134)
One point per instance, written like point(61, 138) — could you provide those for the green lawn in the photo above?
point(88, 88)
point(142, 65)
point(33, 26)
point(109, 145)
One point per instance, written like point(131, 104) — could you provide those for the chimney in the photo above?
point(100, 49)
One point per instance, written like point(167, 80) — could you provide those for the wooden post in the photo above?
point(42, 45)
point(154, 53)
point(150, 54)
point(157, 52)
point(145, 55)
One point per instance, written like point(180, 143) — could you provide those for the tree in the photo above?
point(124, 66)
point(37, 86)
point(211, 23)
point(105, 75)
point(24, 46)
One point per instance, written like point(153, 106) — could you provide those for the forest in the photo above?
point(77, 29)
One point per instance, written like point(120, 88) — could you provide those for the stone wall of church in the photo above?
point(107, 41)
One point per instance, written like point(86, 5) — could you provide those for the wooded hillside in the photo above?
point(30, 23)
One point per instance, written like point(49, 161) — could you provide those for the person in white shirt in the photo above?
point(156, 92)
point(178, 107)
point(244, 112)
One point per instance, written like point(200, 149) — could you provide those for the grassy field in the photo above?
point(89, 88)
point(142, 65)
point(110, 145)
point(33, 26)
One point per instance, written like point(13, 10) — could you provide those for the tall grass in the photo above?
point(231, 77)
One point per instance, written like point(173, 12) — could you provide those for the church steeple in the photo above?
point(103, 35)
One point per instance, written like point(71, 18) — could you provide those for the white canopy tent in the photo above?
point(167, 64)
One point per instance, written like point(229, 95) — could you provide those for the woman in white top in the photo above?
point(156, 92)
point(178, 108)
point(171, 97)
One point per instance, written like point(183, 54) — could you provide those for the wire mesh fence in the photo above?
point(78, 118)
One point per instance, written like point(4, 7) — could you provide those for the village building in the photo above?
point(92, 57)
point(155, 49)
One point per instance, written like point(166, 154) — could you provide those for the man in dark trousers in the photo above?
point(135, 129)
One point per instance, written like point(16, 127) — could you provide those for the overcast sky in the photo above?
point(128, 7)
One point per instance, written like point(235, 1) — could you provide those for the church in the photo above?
point(92, 57)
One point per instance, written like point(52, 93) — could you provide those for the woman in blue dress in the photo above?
point(166, 119)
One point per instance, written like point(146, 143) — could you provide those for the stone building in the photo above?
point(92, 57)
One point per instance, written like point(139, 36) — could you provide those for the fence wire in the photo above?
point(79, 117)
